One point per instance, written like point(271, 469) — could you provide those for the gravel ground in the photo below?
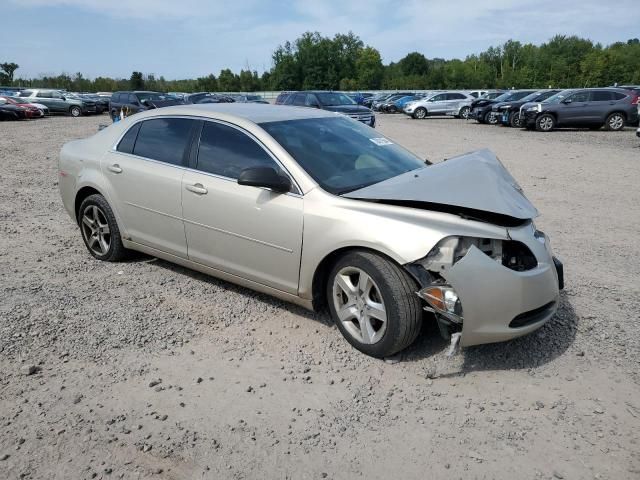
point(148, 370)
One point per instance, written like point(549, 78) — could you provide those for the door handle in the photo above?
point(197, 188)
point(115, 168)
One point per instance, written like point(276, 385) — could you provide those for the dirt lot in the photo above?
point(147, 370)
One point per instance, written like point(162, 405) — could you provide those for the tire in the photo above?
point(392, 109)
point(464, 113)
point(491, 119)
point(420, 113)
point(545, 123)
point(615, 122)
point(386, 286)
point(100, 230)
point(514, 120)
point(75, 111)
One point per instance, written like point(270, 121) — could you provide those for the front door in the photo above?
point(575, 109)
point(145, 179)
point(250, 232)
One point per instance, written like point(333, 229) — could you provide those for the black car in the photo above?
point(481, 108)
point(102, 103)
point(12, 112)
point(138, 101)
point(508, 113)
point(334, 102)
point(611, 108)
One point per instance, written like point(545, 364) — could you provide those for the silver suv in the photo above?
point(440, 103)
point(58, 101)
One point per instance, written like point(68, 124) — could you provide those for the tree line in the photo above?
point(344, 62)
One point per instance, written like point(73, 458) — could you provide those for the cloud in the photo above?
point(185, 38)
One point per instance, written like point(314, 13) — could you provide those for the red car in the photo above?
point(29, 110)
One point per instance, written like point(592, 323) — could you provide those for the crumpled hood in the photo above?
point(476, 180)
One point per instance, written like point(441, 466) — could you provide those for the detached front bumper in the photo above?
point(499, 303)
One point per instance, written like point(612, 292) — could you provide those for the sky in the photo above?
point(191, 38)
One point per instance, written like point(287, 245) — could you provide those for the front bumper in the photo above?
point(499, 303)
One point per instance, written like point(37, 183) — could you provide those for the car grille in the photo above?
point(361, 117)
point(532, 316)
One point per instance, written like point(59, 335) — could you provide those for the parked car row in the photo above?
point(545, 110)
point(15, 108)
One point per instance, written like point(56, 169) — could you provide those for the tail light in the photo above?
point(635, 100)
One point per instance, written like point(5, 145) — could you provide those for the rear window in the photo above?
point(163, 139)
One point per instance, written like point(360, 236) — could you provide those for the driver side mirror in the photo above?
point(266, 177)
point(567, 101)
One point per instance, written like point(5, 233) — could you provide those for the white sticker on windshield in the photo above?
point(380, 141)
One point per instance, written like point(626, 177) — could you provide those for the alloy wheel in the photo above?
point(359, 305)
point(421, 113)
point(546, 124)
point(95, 230)
point(616, 122)
point(464, 112)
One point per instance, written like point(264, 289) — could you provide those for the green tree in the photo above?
point(8, 68)
point(369, 68)
point(136, 81)
point(228, 81)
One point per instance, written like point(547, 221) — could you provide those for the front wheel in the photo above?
point(614, 122)
point(545, 123)
point(420, 113)
point(100, 230)
point(514, 120)
point(373, 303)
point(75, 111)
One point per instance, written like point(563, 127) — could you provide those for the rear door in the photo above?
point(455, 101)
point(145, 178)
point(250, 232)
point(601, 103)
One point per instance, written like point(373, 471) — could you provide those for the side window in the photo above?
point(115, 98)
point(132, 99)
point(311, 100)
point(299, 99)
point(56, 95)
point(42, 94)
point(129, 139)
point(545, 95)
point(580, 97)
point(618, 95)
point(164, 139)
point(226, 151)
point(289, 99)
point(438, 98)
point(455, 96)
point(26, 93)
point(601, 96)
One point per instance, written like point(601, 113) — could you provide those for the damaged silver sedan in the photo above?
point(317, 209)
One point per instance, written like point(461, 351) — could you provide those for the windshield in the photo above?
point(341, 154)
point(531, 97)
point(330, 99)
point(558, 97)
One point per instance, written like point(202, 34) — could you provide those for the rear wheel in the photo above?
point(373, 303)
point(420, 113)
point(545, 123)
point(75, 111)
point(464, 112)
point(100, 230)
point(614, 122)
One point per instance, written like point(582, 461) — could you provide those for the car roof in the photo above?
point(253, 112)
